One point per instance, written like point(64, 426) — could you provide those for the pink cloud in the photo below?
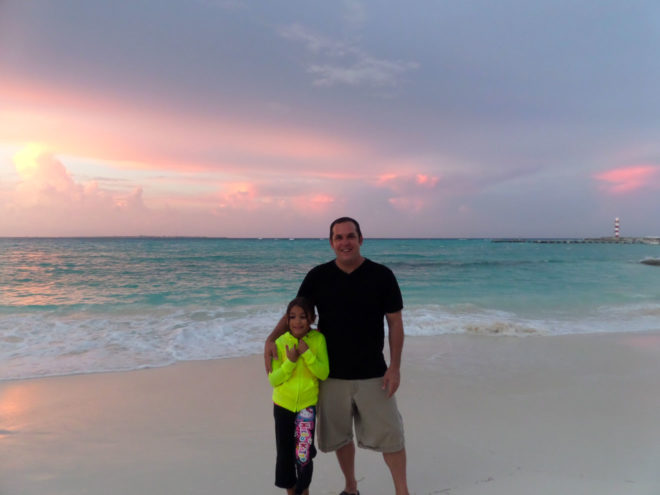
point(427, 181)
point(241, 195)
point(313, 203)
point(249, 196)
point(386, 179)
point(629, 179)
point(412, 192)
point(407, 182)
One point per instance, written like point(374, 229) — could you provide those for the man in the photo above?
point(353, 295)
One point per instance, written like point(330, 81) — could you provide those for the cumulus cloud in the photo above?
point(43, 179)
point(44, 182)
point(47, 200)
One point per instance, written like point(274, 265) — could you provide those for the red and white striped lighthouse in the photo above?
point(616, 228)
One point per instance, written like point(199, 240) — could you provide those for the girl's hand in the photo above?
point(302, 346)
point(292, 354)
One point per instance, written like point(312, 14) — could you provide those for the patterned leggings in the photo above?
point(294, 439)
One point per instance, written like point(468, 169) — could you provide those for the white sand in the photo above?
point(484, 415)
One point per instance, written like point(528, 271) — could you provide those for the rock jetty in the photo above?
point(588, 240)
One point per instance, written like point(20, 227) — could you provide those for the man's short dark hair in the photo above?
point(344, 220)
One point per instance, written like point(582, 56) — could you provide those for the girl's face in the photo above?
point(298, 322)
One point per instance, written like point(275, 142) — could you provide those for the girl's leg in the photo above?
point(305, 449)
point(285, 442)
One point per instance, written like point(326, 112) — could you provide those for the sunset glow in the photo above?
point(323, 117)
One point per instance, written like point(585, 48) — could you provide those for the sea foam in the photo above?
point(45, 344)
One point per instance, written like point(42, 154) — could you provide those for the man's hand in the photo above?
point(270, 349)
point(391, 381)
point(270, 353)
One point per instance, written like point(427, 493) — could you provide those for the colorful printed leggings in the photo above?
point(294, 439)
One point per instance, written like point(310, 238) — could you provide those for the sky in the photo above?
point(441, 118)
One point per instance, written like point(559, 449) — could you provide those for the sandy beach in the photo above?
point(575, 414)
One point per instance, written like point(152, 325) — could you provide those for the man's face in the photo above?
point(345, 242)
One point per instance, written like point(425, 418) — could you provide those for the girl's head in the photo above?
point(300, 315)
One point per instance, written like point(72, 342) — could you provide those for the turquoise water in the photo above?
point(88, 305)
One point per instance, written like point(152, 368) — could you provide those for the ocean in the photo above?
point(86, 305)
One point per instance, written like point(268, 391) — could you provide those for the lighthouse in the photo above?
point(616, 228)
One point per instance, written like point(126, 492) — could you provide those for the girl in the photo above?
point(302, 361)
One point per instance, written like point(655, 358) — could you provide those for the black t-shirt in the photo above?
point(351, 309)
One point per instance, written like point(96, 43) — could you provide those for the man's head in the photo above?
point(346, 239)
point(344, 220)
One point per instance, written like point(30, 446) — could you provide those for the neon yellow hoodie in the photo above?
point(296, 385)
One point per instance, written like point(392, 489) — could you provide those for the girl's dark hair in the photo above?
point(306, 306)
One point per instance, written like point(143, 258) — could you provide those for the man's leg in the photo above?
point(346, 459)
point(396, 461)
point(335, 423)
point(378, 426)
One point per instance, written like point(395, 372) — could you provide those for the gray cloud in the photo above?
point(339, 62)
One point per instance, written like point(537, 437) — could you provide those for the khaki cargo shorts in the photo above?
point(378, 424)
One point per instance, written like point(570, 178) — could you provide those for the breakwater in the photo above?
point(588, 240)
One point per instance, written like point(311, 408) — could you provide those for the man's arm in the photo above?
point(270, 349)
point(392, 377)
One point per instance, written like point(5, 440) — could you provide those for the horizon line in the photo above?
point(165, 237)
